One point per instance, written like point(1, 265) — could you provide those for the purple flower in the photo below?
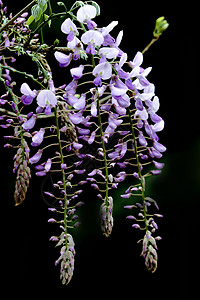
point(80, 103)
point(38, 137)
point(28, 94)
point(118, 88)
point(85, 13)
point(35, 158)
point(7, 42)
point(76, 118)
point(30, 123)
point(159, 147)
point(69, 28)
point(47, 165)
point(46, 99)
point(63, 59)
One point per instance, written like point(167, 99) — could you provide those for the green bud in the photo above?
point(161, 25)
point(56, 42)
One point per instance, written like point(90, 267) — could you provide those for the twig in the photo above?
point(150, 44)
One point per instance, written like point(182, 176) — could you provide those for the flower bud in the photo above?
point(161, 25)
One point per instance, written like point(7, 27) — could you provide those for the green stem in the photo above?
point(150, 44)
point(63, 172)
point(139, 167)
point(23, 73)
point(17, 113)
point(104, 149)
point(102, 141)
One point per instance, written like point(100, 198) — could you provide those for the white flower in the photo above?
point(45, 98)
point(86, 12)
point(104, 70)
point(92, 37)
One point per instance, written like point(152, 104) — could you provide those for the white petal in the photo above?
point(68, 26)
point(86, 12)
point(158, 126)
point(25, 89)
point(156, 104)
point(104, 70)
point(109, 52)
point(108, 28)
point(119, 38)
point(93, 37)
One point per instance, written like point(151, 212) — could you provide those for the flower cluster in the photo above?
point(102, 126)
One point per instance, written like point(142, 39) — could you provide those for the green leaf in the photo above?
point(30, 20)
point(36, 12)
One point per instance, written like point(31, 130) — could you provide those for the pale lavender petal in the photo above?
point(77, 145)
point(30, 123)
point(38, 137)
point(35, 158)
point(68, 26)
point(92, 137)
point(94, 109)
point(80, 103)
point(77, 73)
point(63, 59)
point(47, 166)
point(159, 147)
point(76, 118)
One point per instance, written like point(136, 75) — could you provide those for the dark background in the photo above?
point(112, 266)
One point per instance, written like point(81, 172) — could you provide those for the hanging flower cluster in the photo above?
point(107, 113)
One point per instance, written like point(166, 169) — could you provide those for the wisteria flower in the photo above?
point(92, 38)
point(68, 27)
point(46, 99)
point(77, 73)
point(30, 123)
point(63, 59)
point(35, 158)
point(108, 52)
point(102, 71)
point(85, 13)
point(77, 46)
point(28, 94)
point(38, 137)
point(107, 29)
point(137, 61)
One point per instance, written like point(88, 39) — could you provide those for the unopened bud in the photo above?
point(161, 25)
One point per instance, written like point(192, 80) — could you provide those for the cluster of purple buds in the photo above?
point(66, 258)
point(149, 252)
point(106, 217)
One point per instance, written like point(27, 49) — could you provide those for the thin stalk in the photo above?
point(63, 173)
point(102, 141)
point(138, 166)
point(104, 149)
point(150, 44)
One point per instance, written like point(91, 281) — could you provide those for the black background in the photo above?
point(112, 266)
